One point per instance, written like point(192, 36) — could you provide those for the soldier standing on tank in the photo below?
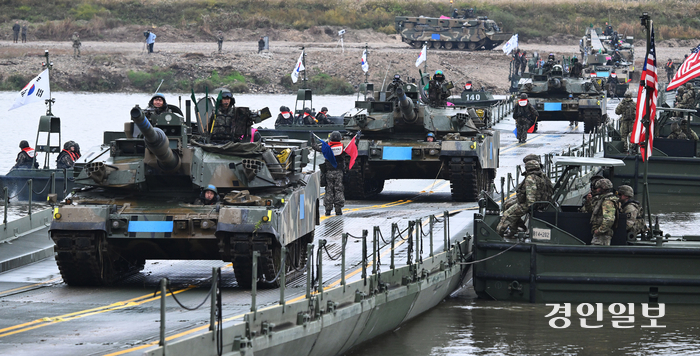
point(525, 116)
point(285, 116)
point(156, 106)
point(15, 31)
point(669, 69)
point(436, 95)
point(627, 110)
point(632, 210)
point(676, 133)
point(576, 68)
point(690, 134)
point(25, 157)
point(222, 126)
point(220, 40)
point(24, 33)
point(335, 191)
point(76, 44)
point(532, 190)
point(605, 211)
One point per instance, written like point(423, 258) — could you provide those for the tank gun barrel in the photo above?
point(405, 105)
point(156, 141)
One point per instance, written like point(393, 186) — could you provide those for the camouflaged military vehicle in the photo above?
point(141, 200)
point(561, 98)
point(472, 34)
point(393, 144)
point(600, 68)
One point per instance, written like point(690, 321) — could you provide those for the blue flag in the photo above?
point(328, 153)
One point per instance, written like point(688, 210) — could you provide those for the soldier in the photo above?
point(220, 40)
point(627, 111)
point(690, 134)
point(632, 209)
point(261, 44)
point(322, 116)
point(436, 95)
point(604, 214)
point(468, 86)
point(589, 199)
point(676, 133)
point(285, 116)
point(430, 137)
point(550, 63)
point(612, 84)
point(335, 191)
point(525, 116)
point(221, 128)
point(156, 106)
point(576, 68)
point(516, 60)
point(533, 189)
point(669, 69)
point(523, 62)
point(307, 118)
point(679, 98)
point(76, 44)
point(25, 157)
point(24, 33)
point(150, 40)
point(549, 188)
point(690, 92)
point(15, 31)
point(209, 196)
point(66, 158)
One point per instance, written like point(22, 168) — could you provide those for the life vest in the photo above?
point(286, 114)
point(336, 147)
point(522, 102)
point(468, 86)
point(73, 155)
point(29, 151)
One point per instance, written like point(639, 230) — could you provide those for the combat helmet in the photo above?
point(68, 145)
point(604, 184)
point(23, 144)
point(212, 188)
point(335, 136)
point(324, 109)
point(531, 157)
point(625, 190)
point(532, 166)
point(228, 94)
point(688, 86)
point(628, 95)
point(523, 96)
point(158, 95)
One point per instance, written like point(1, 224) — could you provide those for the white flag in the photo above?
point(423, 56)
point(38, 89)
point(365, 65)
point(298, 68)
point(511, 44)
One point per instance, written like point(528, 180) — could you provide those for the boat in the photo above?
point(553, 261)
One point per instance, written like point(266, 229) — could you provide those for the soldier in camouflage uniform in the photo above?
point(627, 110)
point(604, 214)
point(222, 129)
point(687, 100)
point(632, 209)
point(525, 116)
point(66, 158)
point(690, 134)
point(335, 190)
point(220, 40)
point(76, 44)
point(549, 189)
point(534, 188)
point(676, 133)
point(679, 97)
point(589, 199)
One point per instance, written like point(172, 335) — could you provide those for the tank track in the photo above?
point(464, 180)
point(84, 259)
point(591, 121)
point(358, 186)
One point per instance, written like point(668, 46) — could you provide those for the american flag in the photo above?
point(696, 49)
point(648, 82)
point(687, 71)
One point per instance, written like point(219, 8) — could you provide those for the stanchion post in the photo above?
point(283, 276)
point(254, 284)
point(214, 288)
point(394, 228)
point(321, 245)
point(309, 252)
point(342, 264)
point(163, 282)
point(31, 192)
point(364, 256)
point(432, 223)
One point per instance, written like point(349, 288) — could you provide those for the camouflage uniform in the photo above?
point(335, 190)
point(627, 111)
point(223, 124)
point(690, 134)
point(604, 215)
point(76, 44)
point(533, 188)
point(687, 100)
point(65, 159)
point(220, 40)
point(525, 117)
point(632, 209)
point(676, 133)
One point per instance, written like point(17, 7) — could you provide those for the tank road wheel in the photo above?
point(358, 185)
point(435, 44)
point(461, 45)
point(591, 121)
point(465, 183)
point(449, 45)
point(471, 46)
point(84, 259)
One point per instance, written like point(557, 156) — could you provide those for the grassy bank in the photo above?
point(57, 19)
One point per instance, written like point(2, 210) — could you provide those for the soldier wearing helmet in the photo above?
point(209, 196)
point(157, 105)
point(632, 210)
point(534, 188)
point(676, 133)
point(333, 174)
point(525, 116)
point(689, 133)
point(25, 157)
point(322, 116)
point(627, 110)
point(604, 215)
point(308, 118)
point(438, 89)
point(221, 127)
point(285, 117)
point(66, 158)
point(576, 68)
point(430, 137)
point(669, 66)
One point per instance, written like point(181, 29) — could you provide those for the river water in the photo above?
point(462, 325)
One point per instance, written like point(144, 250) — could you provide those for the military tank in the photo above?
point(140, 197)
point(393, 145)
point(476, 33)
point(558, 97)
point(600, 67)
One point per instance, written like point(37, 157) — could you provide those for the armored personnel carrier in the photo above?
point(472, 34)
point(558, 97)
point(393, 143)
point(143, 198)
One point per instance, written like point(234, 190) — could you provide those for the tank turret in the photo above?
point(156, 141)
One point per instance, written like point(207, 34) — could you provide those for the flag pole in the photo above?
point(48, 65)
point(646, 120)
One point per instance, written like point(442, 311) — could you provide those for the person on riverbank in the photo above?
point(76, 44)
point(669, 66)
point(604, 215)
point(24, 33)
point(261, 44)
point(25, 157)
point(632, 210)
point(220, 40)
point(15, 31)
point(150, 40)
